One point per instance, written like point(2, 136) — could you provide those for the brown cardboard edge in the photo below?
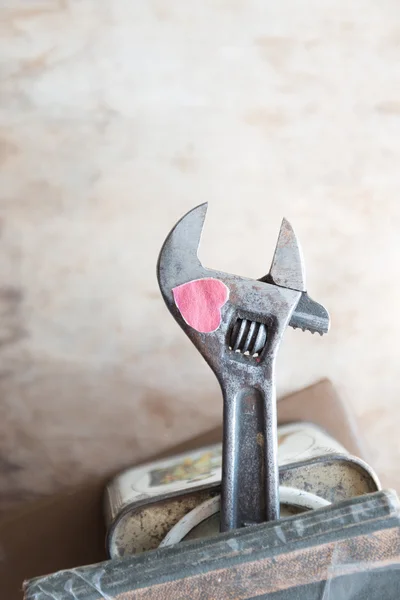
point(321, 404)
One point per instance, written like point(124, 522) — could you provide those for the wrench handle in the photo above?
point(250, 473)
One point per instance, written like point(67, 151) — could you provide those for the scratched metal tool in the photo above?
point(237, 324)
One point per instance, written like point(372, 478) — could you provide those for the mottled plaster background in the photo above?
point(118, 116)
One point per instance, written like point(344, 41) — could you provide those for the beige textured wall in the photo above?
point(117, 116)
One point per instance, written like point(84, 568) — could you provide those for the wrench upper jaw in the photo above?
point(287, 268)
point(178, 261)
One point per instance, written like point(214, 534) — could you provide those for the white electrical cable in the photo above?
point(288, 496)
point(295, 497)
point(193, 518)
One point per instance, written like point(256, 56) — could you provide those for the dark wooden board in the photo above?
point(357, 539)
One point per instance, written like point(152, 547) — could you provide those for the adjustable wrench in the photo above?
point(237, 324)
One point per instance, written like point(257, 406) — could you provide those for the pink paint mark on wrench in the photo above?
point(200, 302)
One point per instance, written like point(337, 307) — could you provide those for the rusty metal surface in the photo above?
point(142, 529)
point(250, 476)
point(334, 475)
point(334, 478)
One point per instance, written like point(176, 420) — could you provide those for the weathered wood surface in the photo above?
point(338, 552)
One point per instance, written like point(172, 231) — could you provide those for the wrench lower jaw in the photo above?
point(310, 315)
